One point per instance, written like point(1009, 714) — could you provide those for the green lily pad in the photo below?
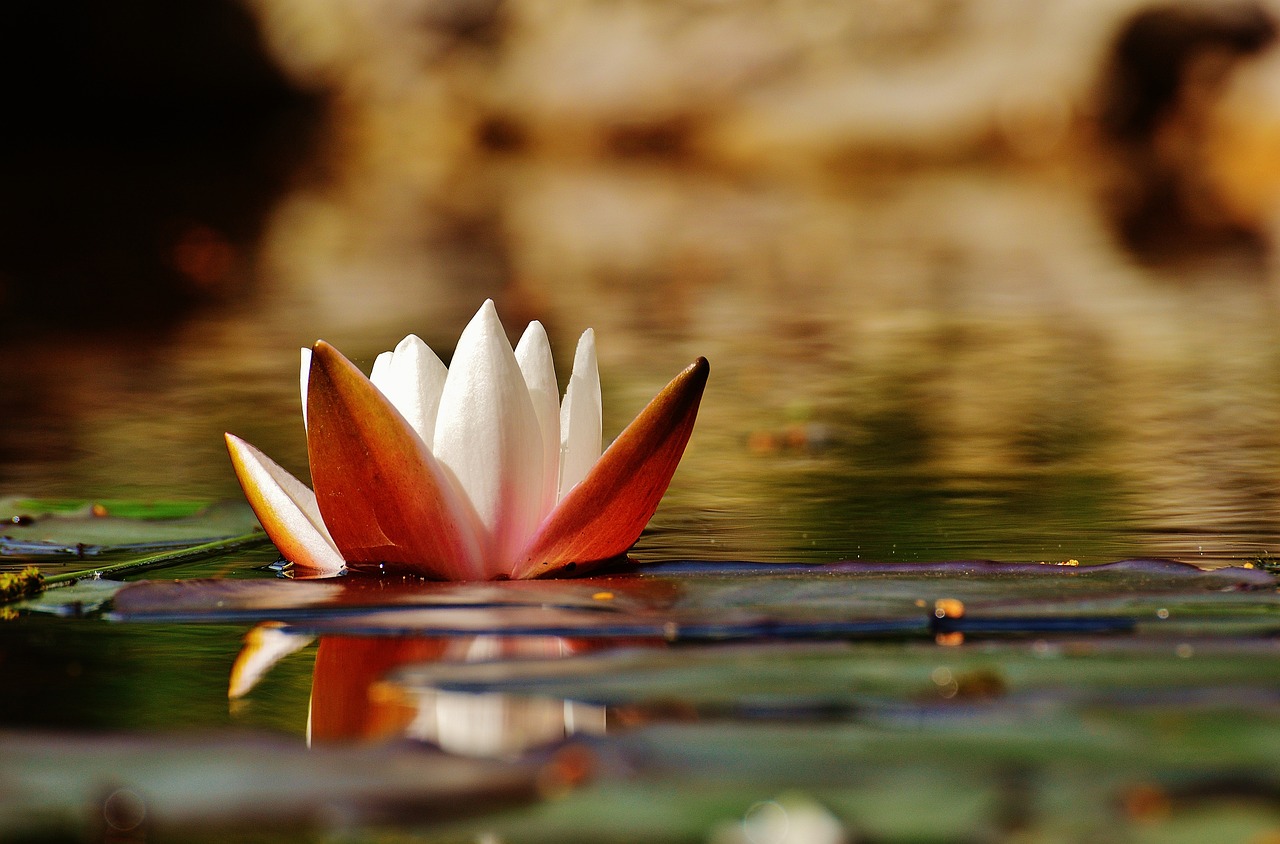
point(881, 682)
point(109, 786)
point(716, 602)
point(57, 531)
point(914, 743)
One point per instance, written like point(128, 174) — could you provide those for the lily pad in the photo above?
point(85, 596)
point(885, 683)
point(715, 602)
point(914, 743)
point(111, 786)
point(53, 531)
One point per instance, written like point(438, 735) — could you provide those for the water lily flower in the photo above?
point(477, 471)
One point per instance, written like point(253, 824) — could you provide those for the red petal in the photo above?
point(383, 496)
point(603, 515)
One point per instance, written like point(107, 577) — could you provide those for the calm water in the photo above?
point(939, 364)
point(934, 365)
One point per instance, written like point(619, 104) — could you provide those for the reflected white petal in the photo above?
point(487, 435)
point(580, 414)
point(264, 646)
point(533, 354)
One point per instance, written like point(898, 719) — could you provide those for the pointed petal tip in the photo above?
point(325, 357)
point(604, 514)
point(534, 329)
point(690, 383)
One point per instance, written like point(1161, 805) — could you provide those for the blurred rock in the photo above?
point(811, 90)
point(1161, 94)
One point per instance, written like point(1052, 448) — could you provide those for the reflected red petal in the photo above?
point(604, 514)
point(343, 705)
point(383, 496)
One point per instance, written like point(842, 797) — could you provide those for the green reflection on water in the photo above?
point(92, 674)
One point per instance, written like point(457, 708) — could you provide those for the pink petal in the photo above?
point(487, 434)
point(604, 514)
point(533, 354)
point(286, 509)
point(580, 416)
point(384, 497)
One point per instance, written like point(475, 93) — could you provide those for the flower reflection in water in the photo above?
point(352, 698)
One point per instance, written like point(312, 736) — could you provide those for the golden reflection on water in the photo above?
point(946, 362)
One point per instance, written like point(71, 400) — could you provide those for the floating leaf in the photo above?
point(136, 783)
point(881, 682)
point(709, 603)
point(55, 530)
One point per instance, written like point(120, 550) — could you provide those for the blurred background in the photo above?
point(977, 278)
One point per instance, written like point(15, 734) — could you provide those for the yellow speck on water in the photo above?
point(603, 596)
point(948, 608)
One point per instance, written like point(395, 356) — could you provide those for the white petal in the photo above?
point(302, 379)
point(381, 369)
point(487, 434)
point(286, 507)
point(412, 378)
point(533, 354)
point(580, 416)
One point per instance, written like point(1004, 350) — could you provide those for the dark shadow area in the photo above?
point(144, 144)
point(1167, 69)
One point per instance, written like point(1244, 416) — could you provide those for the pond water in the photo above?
point(925, 365)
